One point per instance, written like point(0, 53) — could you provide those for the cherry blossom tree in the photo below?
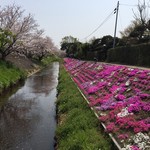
point(20, 34)
point(12, 19)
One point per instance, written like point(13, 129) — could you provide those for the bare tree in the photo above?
point(139, 30)
point(142, 14)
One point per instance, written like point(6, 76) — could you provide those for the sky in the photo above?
point(78, 18)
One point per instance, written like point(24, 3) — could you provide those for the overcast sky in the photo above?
point(78, 18)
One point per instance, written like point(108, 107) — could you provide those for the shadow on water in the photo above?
point(10, 91)
point(27, 119)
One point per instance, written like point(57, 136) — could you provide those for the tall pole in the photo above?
point(116, 25)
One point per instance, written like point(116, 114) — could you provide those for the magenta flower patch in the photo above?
point(120, 95)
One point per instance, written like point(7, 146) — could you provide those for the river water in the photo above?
point(27, 119)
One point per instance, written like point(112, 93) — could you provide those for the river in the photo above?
point(28, 117)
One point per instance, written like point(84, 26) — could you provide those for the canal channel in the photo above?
point(28, 115)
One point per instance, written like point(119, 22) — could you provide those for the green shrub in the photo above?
point(138, 55)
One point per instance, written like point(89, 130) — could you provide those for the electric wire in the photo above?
point(101, 24)
point(129, 5)
point(113, 12)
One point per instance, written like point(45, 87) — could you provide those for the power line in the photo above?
point(129, 5)
point(113, 12)
point(101, 24)
point(132, 5)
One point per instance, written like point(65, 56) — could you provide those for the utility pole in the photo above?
point(116, 11)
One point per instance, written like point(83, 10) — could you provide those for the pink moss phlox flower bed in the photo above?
point(120, 95)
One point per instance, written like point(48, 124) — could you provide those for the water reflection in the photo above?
point(7, 93)
point(27, 120)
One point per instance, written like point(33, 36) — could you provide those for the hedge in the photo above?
point(138, 55)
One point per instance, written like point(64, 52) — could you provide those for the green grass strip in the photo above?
point(52, 58)
point(78, 128)
point(9, 75)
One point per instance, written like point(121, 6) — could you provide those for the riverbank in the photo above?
point(77, 128)
point(9, 75)
point(17, 68)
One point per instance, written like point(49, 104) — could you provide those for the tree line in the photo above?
point(136, 33)
point(20, 34)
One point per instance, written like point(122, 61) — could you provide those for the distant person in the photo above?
point(95, 59)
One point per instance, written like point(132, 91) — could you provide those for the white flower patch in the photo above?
point(124, 112)
point(75, 74)
point(148, 73)
point(92, 82)
point(102, 80)
point(130, 69)
point(142, 140)
point(127, 83)
point(99, 67)
point(135, 79)
point(127, 147)
point(112, 74)
point(109, 84)
point(129, 89)
point(142, 145)
point(103, 114)
point(139, 137)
